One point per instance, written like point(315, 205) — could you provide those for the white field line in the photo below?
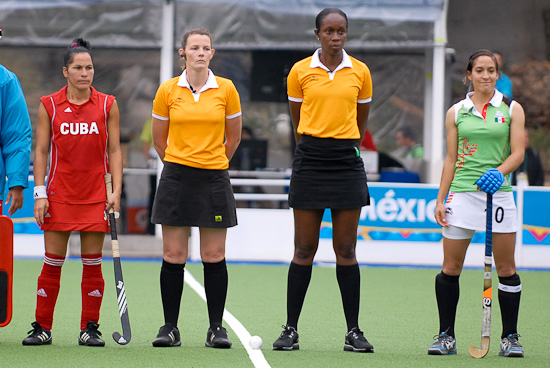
point(256, 355)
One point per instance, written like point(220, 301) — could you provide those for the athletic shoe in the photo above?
point(355, 341)
point(288, 339)
point(90, 335)
point(444, 345)
point(168, 335)
point(510, 347)
point(38, 335)
point(216, 337)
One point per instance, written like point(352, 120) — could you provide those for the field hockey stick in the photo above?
point(487, 286)
point(119, 282)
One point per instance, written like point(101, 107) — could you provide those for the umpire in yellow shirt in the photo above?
point(329, 95)
point(196, 130)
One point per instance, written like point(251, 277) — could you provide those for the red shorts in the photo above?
point(76, 217)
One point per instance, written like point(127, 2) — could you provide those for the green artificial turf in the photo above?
point(398, 316)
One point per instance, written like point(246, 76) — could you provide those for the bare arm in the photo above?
point(517, 141)
point(233, 129)
point(115, 157)
point(160, 136)
point(43, 130)
point(448, 167)
point(362, 117)
point(295, 108)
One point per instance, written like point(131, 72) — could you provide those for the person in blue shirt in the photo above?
point(15, 140)
point(504, 84)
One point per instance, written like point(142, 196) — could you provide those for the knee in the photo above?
point(174, 255)
point(345, 253)
point(506, 270)
point(212, 255)
point(452, 268)
point(304, 251)
point(345, 247)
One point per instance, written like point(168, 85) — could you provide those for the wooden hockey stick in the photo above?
point(487, 286)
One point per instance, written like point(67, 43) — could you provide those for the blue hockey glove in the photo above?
point(490, 181)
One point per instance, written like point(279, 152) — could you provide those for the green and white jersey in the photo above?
point(483, 140)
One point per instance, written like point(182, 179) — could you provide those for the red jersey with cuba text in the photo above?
point(78, 155)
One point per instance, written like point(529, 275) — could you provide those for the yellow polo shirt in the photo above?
point(197, 120)
point(329, 98)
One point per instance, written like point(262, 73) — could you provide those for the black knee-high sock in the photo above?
point(215, 286)
point(171, 288)
point(349, 280)
point(509, 294)
point(298, 282)
point(447, 292)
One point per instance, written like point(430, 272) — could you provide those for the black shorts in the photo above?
point(327, 173)
point(188, 196)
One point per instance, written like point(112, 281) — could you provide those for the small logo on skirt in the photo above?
point(218, 218)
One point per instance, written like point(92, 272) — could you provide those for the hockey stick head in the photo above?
point(121, 340)
point(480, 353)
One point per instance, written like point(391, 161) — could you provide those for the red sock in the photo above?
point(48, 289)
point(93, 286)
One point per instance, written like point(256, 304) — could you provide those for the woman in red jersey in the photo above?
point(329, 95)
point(78, 127)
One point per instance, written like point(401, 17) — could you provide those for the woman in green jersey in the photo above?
point(484, 145)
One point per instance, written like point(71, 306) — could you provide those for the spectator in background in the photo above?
point(151, 156)
point(246, 133)
point(504, 84)
point(15, 140)
point(408, 148)
point(531, 170)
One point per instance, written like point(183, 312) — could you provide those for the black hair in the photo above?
point(326, 11)
point(77, 46)
point(476, 55)
point(248, 130)
point(407, 132)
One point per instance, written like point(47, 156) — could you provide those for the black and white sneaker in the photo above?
point(90, 335)
point(510, 347)
point(444, 345)
point(356, 341)
point(168, 335)
point(216, 337)
point(288, 339)
point(38, 335)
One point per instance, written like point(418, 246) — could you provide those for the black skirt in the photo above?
point(328, 173)
point(188, 196)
